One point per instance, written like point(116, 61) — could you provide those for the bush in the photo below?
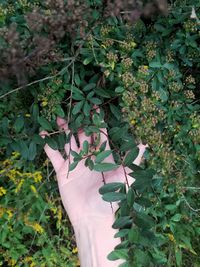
point(143, 73)
point(34, 232)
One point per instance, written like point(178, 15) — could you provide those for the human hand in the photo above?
point(79, 188)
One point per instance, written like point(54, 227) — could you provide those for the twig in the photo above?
point(37, 81)
point(104, 181)
point(125, 174)
point(188, 204)
point(191, 188)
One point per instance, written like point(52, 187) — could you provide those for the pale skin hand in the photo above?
point(80, 190)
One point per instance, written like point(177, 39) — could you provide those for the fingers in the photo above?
point(83, 137)
point(142, 149)
point(72, 145)
point(54, 155)
point(104, 138)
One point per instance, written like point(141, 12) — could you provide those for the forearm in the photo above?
point(95, 240)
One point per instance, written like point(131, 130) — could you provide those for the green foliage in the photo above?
point(144, 77)
point(33, 230)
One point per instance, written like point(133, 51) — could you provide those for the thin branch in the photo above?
point(37, 81)
point(188, 204)
point(104, 181)
point(191, 188)
point(125, 174)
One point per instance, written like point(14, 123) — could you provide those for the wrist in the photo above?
point(95, 240)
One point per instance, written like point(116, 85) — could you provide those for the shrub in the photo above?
point(143, 73)
point(34, 232)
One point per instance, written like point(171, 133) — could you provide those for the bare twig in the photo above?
point(188, 204)
point(37, 81)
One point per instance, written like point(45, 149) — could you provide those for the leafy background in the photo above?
point(138, 61)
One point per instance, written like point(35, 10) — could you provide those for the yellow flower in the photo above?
point(33, 189)
point(27, 115)
point(28, 259)
point(59, 215)
point(2, 191)
point(37, 177)
point(2, 210)
point(171, 238)
point(145, 67)
point(10, 214)
point(78, 263)
point(38, 228)
point(19, 186)
point(133, 122)
point(15, 155)
point(133, 44)
point(12, 262)
point(44, 103)
point(54, 210)
point(75, 250)
point(12, 174)
point(7, 162)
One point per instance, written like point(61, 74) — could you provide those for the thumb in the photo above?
point(55, 156)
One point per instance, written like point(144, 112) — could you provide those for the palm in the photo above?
point(79, 188)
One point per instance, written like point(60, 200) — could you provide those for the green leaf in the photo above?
point(35, 111)
point(78, 97)
point(110, 187)
point(169, 66)
point(87, 61)
point(118, 254)
point(23, 149)
point(113, 196)
point(77, 79)
point(104, 167)
point(76, 109)
point(134, 235)
point(5, 141)
point(155, 65)
point(119, 89)
point(85, 147)
point(141, 258)
point(38, 139)
point(102, 92)
point(51, 142)
point(60, 112)
point(75, 155)
point(89, 163)
point(127, 145)
point(143, 220)
point(96, 120)
point(18, 125)
point(115, 111)
point(178, 255)
point(101, 156)
point(143, 179)
point(61, 140)
point(46, 125)
point(163, 94)
point(130, 197)
point(122, 233)
point(86, 109)
point(95, 101)
point(103, 146)
point(89, 86)
point(131, 156)
point(176, 217)
point(121, 222)
point(32, 151)
point(73, 165)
